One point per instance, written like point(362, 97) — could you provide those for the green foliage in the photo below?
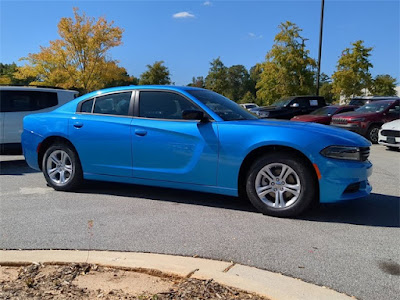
point(7, 77)
point(238, 82)
point(288, 69)
point(248, 98)
point(80, 59)
point(197, 82)
point(352, 74)
point(155, 74)
point(325, 89)
point(217, 78)
point(384, 85)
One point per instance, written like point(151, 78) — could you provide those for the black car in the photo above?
point(289, 107)
point(360, 101)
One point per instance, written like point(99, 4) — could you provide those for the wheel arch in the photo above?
point(258, 152)
point(51, 140)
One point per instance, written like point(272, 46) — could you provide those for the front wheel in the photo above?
point(281, 184)
point(61, 168)
point(372, 133)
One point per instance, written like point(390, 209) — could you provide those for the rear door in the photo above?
point(100, 132)
point(166, 147)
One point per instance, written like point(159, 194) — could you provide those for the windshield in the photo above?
point(324, 111)
point(374, 107)
point(223, 107)
point(282, 102)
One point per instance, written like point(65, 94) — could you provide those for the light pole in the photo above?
point(320, 44)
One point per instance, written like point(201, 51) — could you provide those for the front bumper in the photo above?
point(389, 141)
point(351, 127)
point(344, 180)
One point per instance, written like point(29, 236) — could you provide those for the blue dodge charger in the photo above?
point(195, 139)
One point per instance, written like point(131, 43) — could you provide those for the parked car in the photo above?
point(360, 101)
point(249, 106)
point(17, 102)
point(367, 119)
point(289, 107)
point(324, 115)
point(195, 139)
point(389, 135)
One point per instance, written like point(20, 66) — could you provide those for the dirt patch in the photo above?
point(84, 281)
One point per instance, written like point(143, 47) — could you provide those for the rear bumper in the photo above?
point(30, 142)
point(344, 180)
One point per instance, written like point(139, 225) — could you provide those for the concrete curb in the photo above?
point(272, 285)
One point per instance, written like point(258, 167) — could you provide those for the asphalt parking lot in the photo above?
point(352, 247)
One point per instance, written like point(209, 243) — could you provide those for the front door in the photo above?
point(166, 147)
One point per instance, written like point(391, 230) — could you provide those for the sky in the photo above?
point(188, 35)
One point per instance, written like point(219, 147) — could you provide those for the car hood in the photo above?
point(309, 118)
point(392, 125)
point(354, 114)
point(313, 132)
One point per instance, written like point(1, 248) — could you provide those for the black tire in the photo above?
point(372, 133)
point(72, 178)
point(301, 172)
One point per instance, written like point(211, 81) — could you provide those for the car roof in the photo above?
point(35, 88)
point(375, 98)
point(302, 96)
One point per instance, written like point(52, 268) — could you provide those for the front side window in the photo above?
point(14, 101)
point(163, 105)
point(112, 104)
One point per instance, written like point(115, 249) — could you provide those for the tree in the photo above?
point(248, 98)
point(80, 59)
point(384, 85)
point(156, 74)
point(197, 82)
point(238, 82)
point(352, 74)
point(217, 78)
point(288, 69)
point(7, 75)
point(326, 88)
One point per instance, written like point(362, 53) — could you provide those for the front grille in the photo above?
point(394, 133)
point(364, 153)
point(339, 121)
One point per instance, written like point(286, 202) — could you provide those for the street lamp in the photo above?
point(320, 44)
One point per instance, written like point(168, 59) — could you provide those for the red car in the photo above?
point(324, 114)
point(367, 119)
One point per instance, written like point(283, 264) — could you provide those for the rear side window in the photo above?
point(113, 104)
point(14, 101)
point(87, 106)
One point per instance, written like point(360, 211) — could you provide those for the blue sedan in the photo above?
point(195, 139)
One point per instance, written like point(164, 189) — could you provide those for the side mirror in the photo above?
point(192, 114)
point(294, 105)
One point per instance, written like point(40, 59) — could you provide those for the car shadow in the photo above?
point(15, 167)
point(375, 210)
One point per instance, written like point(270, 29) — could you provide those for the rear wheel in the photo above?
point(279, 184)
point(61, 168)
point(372, 133)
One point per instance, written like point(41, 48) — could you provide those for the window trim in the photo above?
point(131, 103)
point(137, 102)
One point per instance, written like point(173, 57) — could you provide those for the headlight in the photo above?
point(344, 152)
point(357, 120)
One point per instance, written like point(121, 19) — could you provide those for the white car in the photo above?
point(18, 102)
point(248, 106)
point(389, 134)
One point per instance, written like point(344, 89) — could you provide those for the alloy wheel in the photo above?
point(59, 167)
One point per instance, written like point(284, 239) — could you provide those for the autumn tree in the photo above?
point(156, 74)
point(288, 69)
point(384, 85)
point(217, 78)
point(352, 72)
point(80, 59)
point(7, 76)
